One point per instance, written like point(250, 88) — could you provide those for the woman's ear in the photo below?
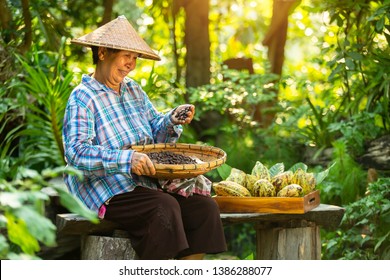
point(102, 53)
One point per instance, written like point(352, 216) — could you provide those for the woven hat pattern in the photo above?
point(118, 34)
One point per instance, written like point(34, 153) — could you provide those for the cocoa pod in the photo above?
point(292, 190)
point(261, 171)
point(282, 179)
point(238, 176)
point(228, 188)
point(264, 188)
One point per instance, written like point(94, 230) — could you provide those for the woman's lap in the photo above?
point(165, 226)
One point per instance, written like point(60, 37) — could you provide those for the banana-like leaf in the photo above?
point(37, 225)
point(75, 205)
point(299, 165)
point(276, 169)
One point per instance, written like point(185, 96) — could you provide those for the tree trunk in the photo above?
point(276, 37)
point(300, 243)
point(197, 42)
point(275, 40)
point(176, 5)
point(107, 5)
point(27, 26)
point(6, 21)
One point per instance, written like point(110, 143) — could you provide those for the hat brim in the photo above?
point(143, 54)
point(117, 34)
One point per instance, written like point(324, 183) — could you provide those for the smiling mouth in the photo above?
point(124, 73)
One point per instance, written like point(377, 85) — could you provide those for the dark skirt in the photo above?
point(167, 226)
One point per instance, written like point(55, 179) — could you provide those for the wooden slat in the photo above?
point(328, 216)
point(74, 224)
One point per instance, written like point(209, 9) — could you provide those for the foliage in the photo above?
point(356, 131)
point(334, 91)
point(48, 85)
point(233, 102)
point(238, 94)
point(35, 142)
point(346, 181)
point(358, 78)
point(9, 116)
point(365, 228)
point(24, 226)
point(241, 240)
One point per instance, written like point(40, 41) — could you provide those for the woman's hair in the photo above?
point(95, 53)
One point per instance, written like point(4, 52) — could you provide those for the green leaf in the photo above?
point(355, 55)
point(224, 171)
point(276, 169)
point(4, 247)
point(75, 205)
point(38, 225)
point(17, 199)
point(250, 257)
point(21, 256)
point(18, 233)
point(322, 175)
point(349, 63)
point(381, 240)
point(379, 25)
point(299, 165)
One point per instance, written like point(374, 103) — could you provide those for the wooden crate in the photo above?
point(286, 205)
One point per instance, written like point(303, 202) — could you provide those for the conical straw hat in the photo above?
point(118, 34)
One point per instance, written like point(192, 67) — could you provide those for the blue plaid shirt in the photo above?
point(100, 125)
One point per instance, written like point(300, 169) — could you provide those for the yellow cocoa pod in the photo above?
point(228, 188)
point(299, 177)
point(264, 188)
point(249, 182)
point(292, 190)
point(281, 180)
point(305, 180)
point(261, 171)
point(310, 183)
point(238, 176)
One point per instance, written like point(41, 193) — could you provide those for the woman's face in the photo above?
point(116, 65)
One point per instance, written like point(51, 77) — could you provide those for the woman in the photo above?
point(106, 114)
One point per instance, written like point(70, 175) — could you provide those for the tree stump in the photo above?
point(95, 247)
point(285, 243)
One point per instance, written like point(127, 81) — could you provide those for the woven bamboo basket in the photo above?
point(207, 157)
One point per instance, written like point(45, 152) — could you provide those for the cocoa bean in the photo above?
point(170, 158)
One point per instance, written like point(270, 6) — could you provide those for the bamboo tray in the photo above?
point(285, 205)
point(207, 157)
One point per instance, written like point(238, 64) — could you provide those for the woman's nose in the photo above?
point(131, 62)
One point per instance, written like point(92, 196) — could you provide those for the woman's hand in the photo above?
point(142, 165)
point(183, 114)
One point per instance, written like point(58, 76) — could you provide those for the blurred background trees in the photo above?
point(307, 83)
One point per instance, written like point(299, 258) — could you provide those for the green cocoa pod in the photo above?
point(261, 171)
point(238, 176)
point(282, 179)
point(292, 190)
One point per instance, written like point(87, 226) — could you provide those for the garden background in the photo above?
point(316, 90)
